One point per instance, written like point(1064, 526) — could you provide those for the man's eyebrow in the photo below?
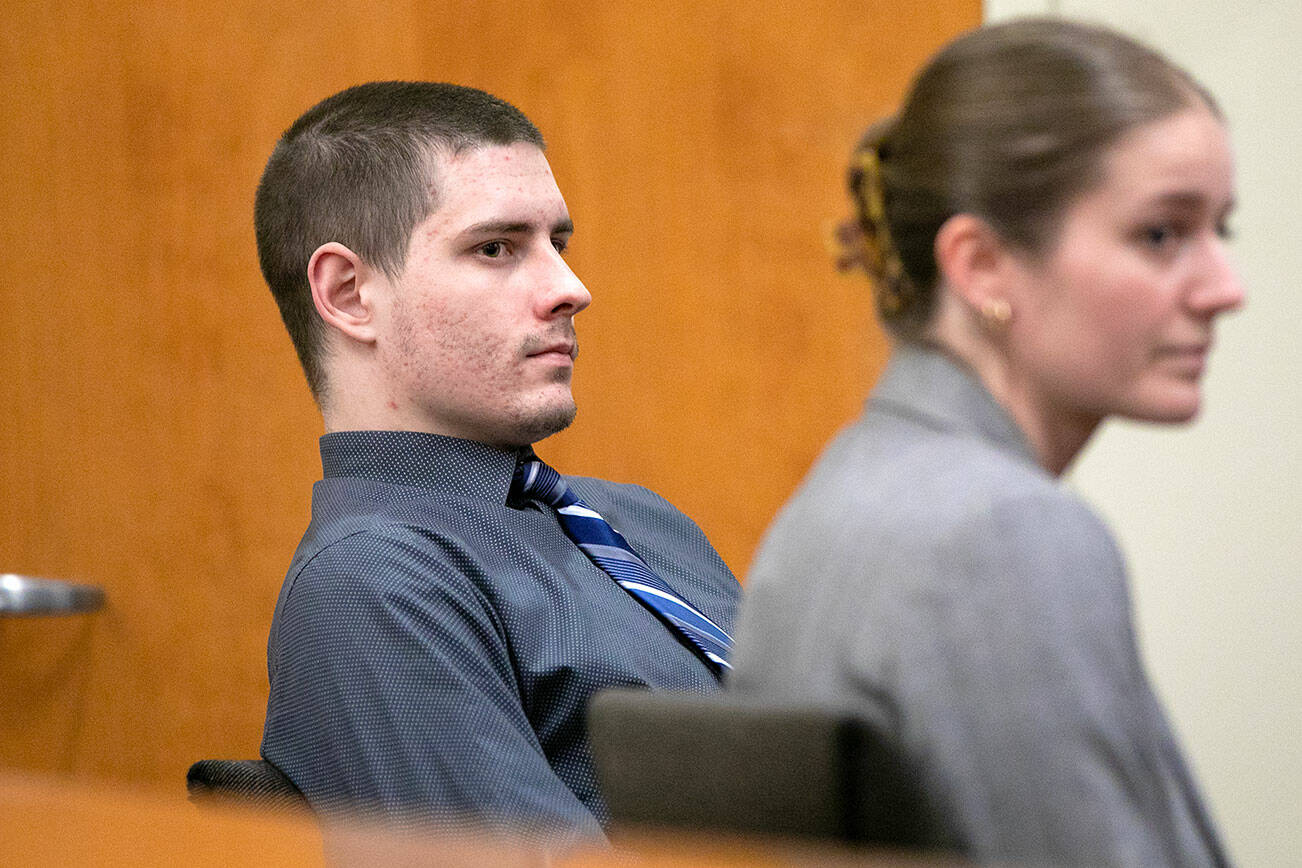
point(516, 227)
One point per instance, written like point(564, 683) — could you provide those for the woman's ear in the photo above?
point(340, 291)
point(974, 263)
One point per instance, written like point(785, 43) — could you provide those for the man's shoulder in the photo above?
point(343, 508)
point(379, 563)
point(364, 526)
point(372, 538)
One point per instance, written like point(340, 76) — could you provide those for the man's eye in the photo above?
point(493, 249)
point(561, 244)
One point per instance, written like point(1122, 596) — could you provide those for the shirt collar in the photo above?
point(433, 461)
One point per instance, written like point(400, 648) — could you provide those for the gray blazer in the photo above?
point(932, 576)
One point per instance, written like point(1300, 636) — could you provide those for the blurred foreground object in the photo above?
point(26, 595)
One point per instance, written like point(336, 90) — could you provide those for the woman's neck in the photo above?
point(1056, 435)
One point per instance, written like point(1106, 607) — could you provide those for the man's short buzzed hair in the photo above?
point(357, 169)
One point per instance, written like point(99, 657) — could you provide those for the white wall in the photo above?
point(1210, 515)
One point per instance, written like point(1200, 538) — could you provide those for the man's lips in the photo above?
point(564, 349)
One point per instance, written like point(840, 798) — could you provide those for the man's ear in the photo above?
point(342, 290)
point(975, 263)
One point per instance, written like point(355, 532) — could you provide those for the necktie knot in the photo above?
point(537, 481)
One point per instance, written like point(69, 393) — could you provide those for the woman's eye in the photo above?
point(1165, 237)
point(1158, 236)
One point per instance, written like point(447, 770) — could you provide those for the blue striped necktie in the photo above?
point(609, 550)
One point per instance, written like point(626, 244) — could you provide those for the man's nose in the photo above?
point(562, 293)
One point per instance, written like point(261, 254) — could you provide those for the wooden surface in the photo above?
point(156, 437)
point(51, 822)
point(47, 821)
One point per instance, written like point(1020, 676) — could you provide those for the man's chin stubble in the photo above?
point(546, 423)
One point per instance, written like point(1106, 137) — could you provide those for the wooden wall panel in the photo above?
point(155, 436)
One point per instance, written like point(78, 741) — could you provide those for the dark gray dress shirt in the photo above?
point(435, 643)
point(931, 576)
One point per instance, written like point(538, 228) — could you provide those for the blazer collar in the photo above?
point(937, 390)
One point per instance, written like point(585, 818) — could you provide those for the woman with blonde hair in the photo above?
point(1045, 224)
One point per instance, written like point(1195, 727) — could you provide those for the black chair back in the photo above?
point(723, 764)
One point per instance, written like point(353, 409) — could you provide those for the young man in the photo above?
point(440, 629)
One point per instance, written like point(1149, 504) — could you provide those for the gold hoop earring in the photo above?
point(996, 312)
